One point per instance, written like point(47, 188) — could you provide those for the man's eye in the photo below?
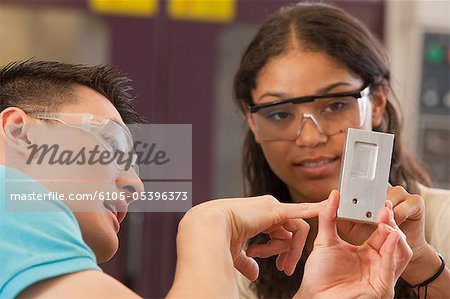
point(112, 143)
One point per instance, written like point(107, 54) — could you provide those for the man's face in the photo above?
point(99, 225)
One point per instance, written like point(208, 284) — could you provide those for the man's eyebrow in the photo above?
point(120, 123)
point(114, 120)
point(320, 91)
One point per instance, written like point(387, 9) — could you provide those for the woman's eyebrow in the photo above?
point(327, 88)
point(320, 91)
point(272, 94)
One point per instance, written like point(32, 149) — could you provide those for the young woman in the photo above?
point(310, 73)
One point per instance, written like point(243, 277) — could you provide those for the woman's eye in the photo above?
point(336, 106)
point(278, 115)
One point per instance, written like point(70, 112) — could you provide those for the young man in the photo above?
point(83, 238)
point(54, 254)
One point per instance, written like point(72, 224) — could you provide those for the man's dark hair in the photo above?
point(43, 86)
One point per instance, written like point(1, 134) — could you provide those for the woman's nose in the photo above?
point(310, 133)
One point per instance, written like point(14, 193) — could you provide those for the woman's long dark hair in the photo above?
point(323, 28)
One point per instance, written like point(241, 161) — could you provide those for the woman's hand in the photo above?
point(409, 215)
point(411, 209)
point(336, 269)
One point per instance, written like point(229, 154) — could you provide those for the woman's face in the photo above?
point(309, 165)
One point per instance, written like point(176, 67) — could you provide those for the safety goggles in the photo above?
point(331, 113)
point(113, 136)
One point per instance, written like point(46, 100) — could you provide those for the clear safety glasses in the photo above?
point(114, 137)
point(332, 114)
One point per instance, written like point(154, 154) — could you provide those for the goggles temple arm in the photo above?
point(306, 99)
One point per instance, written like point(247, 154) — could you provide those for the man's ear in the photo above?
point(250, 122)
point(379, 99)
point(14, 128)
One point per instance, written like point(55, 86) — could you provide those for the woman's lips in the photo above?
point(317, 166)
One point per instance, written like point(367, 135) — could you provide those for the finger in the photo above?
point(403, 252)
point(396, 195)
point(388, 269)
point(403, 255)
point(299, 229)
point(388, 204)
point(247, 266)
point(384, 215)
point(408, 209)
point(281, 260)
point(327, 232)
point(300, 210)
point(401, 213)
point(278, 232)
point(391, 222)
point(271, 248)
point(378, 237)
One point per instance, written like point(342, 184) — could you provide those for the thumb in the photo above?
point(388, 265)
point(327, 233)
point(247, 266)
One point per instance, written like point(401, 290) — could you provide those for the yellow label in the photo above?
point(202, 10)
point(139, 8)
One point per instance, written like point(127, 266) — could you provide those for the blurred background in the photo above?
point(182, 56)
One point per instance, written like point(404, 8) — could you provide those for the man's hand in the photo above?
point(245, 218)
point(212, 238)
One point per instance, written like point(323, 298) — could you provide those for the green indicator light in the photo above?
point(434, 54)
